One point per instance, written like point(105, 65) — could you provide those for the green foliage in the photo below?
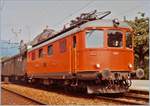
point(140, 28)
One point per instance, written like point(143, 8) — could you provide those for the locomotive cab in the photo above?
point(107, 47)
point(107, 55)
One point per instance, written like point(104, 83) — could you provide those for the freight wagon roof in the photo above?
point(10, 58)
point(71, 30)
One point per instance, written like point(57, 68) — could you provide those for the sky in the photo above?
point(28, 18)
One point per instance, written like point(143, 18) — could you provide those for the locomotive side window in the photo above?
point(33, 56)
point(114, 38)
point(128, 40)
point(40, 53)
point(50, 49)
point(62, 45)
point(94, 39)
point(74, 42)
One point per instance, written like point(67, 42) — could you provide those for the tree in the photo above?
point(141, 41)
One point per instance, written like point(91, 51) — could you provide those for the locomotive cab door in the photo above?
point(73, 54)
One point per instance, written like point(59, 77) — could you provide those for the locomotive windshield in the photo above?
point(115, 38)
point(94, 39)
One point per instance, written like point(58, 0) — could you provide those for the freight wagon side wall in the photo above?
point(20, 65)
point(15, 66)
point(8, 67)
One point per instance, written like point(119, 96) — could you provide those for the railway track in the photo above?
point(133, 97)
point(56, 96)
point(24, 96)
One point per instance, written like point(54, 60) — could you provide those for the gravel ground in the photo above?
point(140, 85)
point(55, 98)
point(9, 98)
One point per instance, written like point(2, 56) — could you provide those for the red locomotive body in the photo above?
point(84, 53)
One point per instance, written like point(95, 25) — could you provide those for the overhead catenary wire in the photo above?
point(119, 14)
point(61, 21)
point(8, 42)
point(5, 43)
point(15, 47)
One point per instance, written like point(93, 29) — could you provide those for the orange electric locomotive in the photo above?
point(93, 54)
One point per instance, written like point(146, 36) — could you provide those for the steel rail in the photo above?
point(139, 91)
point(122, 100)
point(137, 96)
point(133, 97)
point(24, 96)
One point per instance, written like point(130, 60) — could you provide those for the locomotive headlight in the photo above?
point(106, 73)
point(130, 66)
point(140, 73)
point(97, 65)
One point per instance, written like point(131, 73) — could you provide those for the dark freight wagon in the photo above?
point(14, 67)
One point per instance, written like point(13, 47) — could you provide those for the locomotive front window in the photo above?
point(94, 39)
point(128, 40)
point(114, 38)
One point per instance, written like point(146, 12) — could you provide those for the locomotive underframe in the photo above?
point(93, 82)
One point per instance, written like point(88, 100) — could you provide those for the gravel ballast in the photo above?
point(56, 98)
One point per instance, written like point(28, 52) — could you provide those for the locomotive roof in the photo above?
point(74, 29)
